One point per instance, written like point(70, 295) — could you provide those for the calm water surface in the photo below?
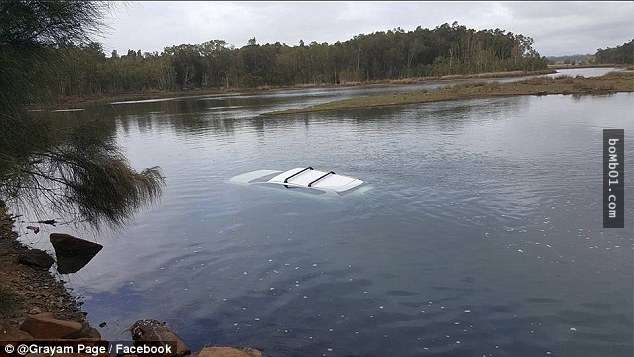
point(585, 72)
point(479, 232)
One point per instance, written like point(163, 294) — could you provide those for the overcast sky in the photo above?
point(559, 28)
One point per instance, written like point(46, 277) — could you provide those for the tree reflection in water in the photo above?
point(70, 169)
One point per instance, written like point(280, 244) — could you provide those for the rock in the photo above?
point(46, 326)
point(10, 333)
point(92, 333)
point(36, 258)
point(86, 333)
point(103, 324)
point(229, 352)
point(46, 314)
point(72, 253)
point(67, 244)
point(153, 330)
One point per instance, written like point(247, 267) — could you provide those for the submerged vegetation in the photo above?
point(609, 83)
point(47, 166)
point(394, 54)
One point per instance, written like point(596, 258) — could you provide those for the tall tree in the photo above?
point(67, 172)
point(623, 54)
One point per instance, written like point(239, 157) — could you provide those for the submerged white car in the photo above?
point(303, 177)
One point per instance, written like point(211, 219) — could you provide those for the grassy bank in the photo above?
point(609, 83)
point(82, 102)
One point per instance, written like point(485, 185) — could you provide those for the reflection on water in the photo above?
point(51, 164)
point(481, 234)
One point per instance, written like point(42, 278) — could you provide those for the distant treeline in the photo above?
point(571, 59)
point(623, 54)
point(394, 54)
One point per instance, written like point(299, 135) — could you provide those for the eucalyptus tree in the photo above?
point(623, 54)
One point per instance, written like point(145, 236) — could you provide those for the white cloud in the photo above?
point(557, 27)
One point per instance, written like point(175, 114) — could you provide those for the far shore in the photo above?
point(83, 102)
point(609, 83)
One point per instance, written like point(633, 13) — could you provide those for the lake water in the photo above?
point(478, 233)
point(585, 72)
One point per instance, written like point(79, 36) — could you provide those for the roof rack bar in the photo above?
point(297, 173)
point(321, 177)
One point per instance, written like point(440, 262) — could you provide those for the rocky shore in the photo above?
point(26, 288)
point(35, 305)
